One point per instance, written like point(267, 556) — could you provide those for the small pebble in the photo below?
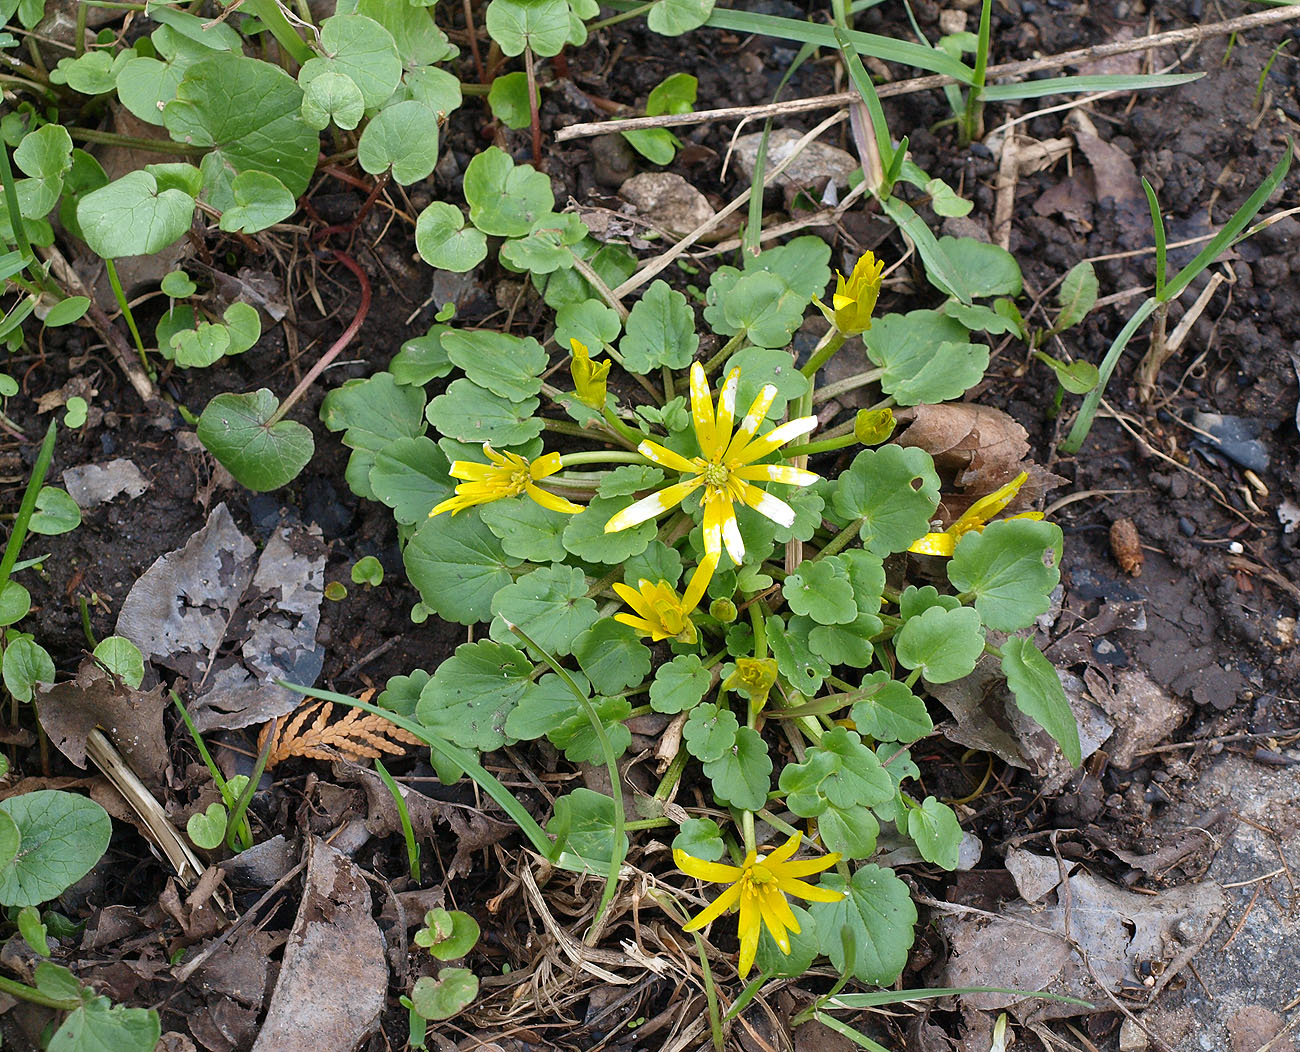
point(1186, 526)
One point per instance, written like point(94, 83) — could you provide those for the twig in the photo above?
point(661, 261)
point(1193, 34)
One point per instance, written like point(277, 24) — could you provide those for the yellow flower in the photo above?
point(755, 676)
point(760, 887)
point(726, 469)
point(589, 378)
point(660, 614)
point(976, 517)
point(508, 475)
point(855, 298)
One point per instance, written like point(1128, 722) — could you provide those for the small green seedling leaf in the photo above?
point(1075, 377)
point(99, 1026)
point(442, 998)
point(362, 50)
point(700, 838)
point(1077, 297)
point(368, 570)
point(15, 601)
point(674, 17)
point(56, 512)
point(403, 138)
point(236, 429)
point(542, 25)
point(122, 658)
point(25, 664)
point(31, 927)
point(332, 97)
point(936, 832)
point(447, 935)
point(260, 201)
point(208, 828)
point(988, 270)
point(444, 241)
point(1039, 695)
point(63, 836)
point(134, 215)
point(679, 684)
point(76, 412)
point(505, 199)
point(660, 330)
point(66, 311)
point(336, 591)
point(926, 356)
point(945, 200)
point(508, 98)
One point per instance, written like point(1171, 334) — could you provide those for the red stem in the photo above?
point(337, 347)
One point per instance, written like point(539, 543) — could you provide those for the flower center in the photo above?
point(716, 475)
point(761, 875)
point(516, 481)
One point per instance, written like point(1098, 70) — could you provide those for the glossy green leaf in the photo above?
point(1037, 689)
point(260, 201)
point(804, 669)
point(612, 655)
point(508, 99)
point(401, 138)
point(700, 838)
point(989, 270)
point(362, 50)
point(506, 365)
point(742, 775)
point(895, 491)
point(1006, 568)
point(249, 113)
point(93, 73)
point(453, 991)
point(936, 832)
point(542, 25)
point(586, 538)
point(1078, 295)
point(505, 199)
point(674, 17)
point(207, 829)
point(710, 732)
point(447, 934)
point(822, 591)
point(877, 917)
point(56, 512)
point(583, 822)
point(122, 658)
point(236, 429)
point(63, 836)
point(885, 709)
point(332, 97)
point(25, 664)
point(943, 644)
point(473, 692)
point(469, 413)
point(101, 1026)
point(457, 565)
point(444, 241)
point(660, 330)
point(15, 601)
point(66, 311)
point(838, 782)
point(926, 356)
point(133, 216)
point(679, 684)
point(550, 605)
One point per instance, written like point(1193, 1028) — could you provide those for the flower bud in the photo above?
point(589, 378)
point(723, 610)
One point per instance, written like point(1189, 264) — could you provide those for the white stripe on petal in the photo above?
point(783, 473)
point(767, 505)
point(666, 457)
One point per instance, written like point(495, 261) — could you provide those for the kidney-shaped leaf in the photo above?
point(236, 429)
point(63, 836)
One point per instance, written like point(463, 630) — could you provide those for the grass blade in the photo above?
point(1036, 89)
point(1158, 227)
point(883, 160)
point(1239, 221)
point(936, 262)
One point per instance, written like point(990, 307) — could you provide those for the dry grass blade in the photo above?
point(357, 736)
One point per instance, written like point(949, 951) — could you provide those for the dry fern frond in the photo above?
point(358, 735)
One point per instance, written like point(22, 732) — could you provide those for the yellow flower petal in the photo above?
point(665, 457)
point(695, 590)
point(768, 506)
point(753, 420)
point(934, 544)
point(715, 909)
point(749, 929)
point(726, 415)
point(783, 473)
point(551, 502)
point(651, 506)
point(775, 858)
point(545, 465)
point(702, 410)
point(808, 891)
point(989, 505)
point(804, 867)
point(774, 439)
point(717, 872)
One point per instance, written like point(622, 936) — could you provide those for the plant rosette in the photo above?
point(654, 534)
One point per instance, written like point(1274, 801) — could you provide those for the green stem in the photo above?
point(728, 349)
point(648, 823)
point(404, 815)
point(779, 824)
point(11, 203)
point(624, 432)
point(973, 118)
point(614, 20)
point(120, 296)
point(618, 854)
point(269, 14)
point(85, 622)
point(135, 142)
point(747, 831)
point(28, 505)
point(34, 996)
point(823, 352)
point(601, 456)
point(79, 41)
point(841, 539)
point(851, 383)
point(759, 621)
point(213, 769)
point(825, 445)
point(672, 776)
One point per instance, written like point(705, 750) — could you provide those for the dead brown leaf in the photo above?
point(358, 735)
point(96, 698)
